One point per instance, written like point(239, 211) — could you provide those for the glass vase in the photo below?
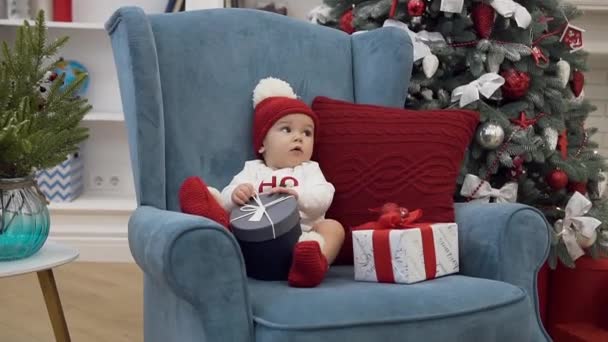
point(24, 218)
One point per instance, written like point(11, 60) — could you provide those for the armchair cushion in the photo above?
point(374, 154)
point(454, 308)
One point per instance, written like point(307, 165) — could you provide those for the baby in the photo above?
point(283, 137)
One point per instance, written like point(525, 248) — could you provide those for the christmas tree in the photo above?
point(520, 65)
point(39, 122)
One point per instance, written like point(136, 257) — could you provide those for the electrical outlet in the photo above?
point(105, 182)
point(97, 182)
point(114, 181)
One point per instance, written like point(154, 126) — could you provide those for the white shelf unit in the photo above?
point(95, 204)
point(104, 116)
point(96, 222)
point(54, 24)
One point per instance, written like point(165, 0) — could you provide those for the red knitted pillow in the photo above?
point(373, 155)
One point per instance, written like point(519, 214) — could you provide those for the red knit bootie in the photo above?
point(309, 265)
point(195, 199)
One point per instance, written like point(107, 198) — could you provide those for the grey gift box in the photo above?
point(267, 250)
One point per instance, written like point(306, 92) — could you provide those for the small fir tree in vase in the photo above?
point(39, 127)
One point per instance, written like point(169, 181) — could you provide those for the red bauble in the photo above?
point(557, 179)
point(483, 19)
point(416, 8)
point(516, 84)
point(578, 82)
point(346, 22)
point(578, 186)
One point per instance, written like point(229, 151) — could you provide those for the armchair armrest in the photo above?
point(505, 242)
point(198, 260)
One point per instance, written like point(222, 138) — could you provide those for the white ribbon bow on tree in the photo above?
point(575, 223)
point(419, 40)
point(506, 194)
point(510, 8)
point(486, 85)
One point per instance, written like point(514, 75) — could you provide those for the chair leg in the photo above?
point(53, 305)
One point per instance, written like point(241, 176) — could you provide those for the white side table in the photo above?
point(49, 256)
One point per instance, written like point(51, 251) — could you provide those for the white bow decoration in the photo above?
point(510, 8)
point(574, 222)
point(259, 210)
point(320, 14)
point(506, 194)
point(419, 40)
point(486, 85)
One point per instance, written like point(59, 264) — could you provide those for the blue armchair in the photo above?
point(186, 81)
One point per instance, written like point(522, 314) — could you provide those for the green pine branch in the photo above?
point(37, 131)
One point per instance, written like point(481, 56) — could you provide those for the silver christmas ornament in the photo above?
point(563, 72)
point(551, 137)
point(490, 135)
point(430, 64)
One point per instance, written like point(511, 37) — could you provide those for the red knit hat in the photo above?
point(273, 99)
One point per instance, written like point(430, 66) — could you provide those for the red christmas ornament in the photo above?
point(518, 167)
point(516, 84)
point(573, 37)
point(346, 22)
point(483, 19)
point(578, 82)
point(416, 8)
point(578, 186)
point(562, 142)
point(557, 179)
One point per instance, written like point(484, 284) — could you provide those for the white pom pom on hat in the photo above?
point(272, 87)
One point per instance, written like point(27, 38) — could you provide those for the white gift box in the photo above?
point(406, 253)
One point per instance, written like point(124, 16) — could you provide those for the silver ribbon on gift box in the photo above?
point(258, 210)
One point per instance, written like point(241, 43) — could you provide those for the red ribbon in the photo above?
point(382, 249)
point(393, 9)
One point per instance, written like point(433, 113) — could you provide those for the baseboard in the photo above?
point(98, 237)
point(98, 249)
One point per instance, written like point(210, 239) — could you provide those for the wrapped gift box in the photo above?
point(406, 255)
point(267, 246)
point(64, 182)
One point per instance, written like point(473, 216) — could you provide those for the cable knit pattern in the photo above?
point(373, 155)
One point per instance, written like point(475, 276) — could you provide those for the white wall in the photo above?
point(295, 8)
point(596, 90)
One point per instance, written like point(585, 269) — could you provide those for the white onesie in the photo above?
point(314, 192)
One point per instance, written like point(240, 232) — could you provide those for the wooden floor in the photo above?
point(102, 302)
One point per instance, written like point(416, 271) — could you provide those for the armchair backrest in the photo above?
point(186, 82)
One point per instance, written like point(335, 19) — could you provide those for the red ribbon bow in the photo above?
point(395, 217)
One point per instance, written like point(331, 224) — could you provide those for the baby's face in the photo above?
point(289, 141)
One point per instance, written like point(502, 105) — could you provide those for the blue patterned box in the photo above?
point(64, 182)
